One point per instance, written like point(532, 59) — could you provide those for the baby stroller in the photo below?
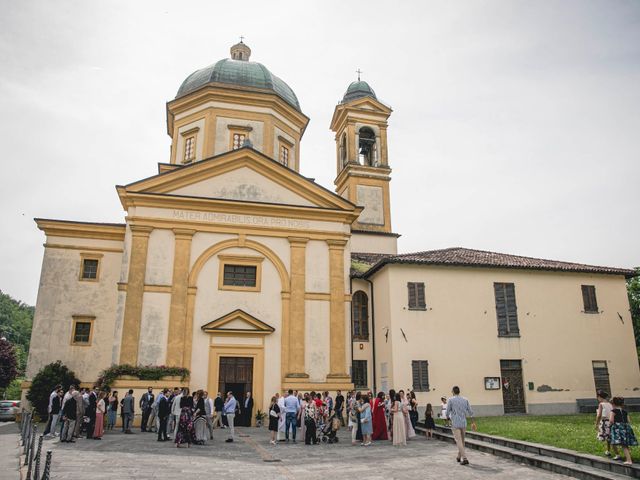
point(329, 433)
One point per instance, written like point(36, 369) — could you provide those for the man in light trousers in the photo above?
point(230, 412)
point(208, 410)
point(458, 409)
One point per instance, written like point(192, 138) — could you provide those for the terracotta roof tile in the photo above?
point(475, 258)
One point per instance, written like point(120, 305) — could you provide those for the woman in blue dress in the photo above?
point(365, 420)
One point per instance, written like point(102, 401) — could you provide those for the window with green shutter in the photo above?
point(506, 309)
point(420, 374)
point(416, 296)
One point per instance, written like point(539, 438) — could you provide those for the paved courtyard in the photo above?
point(140, 456)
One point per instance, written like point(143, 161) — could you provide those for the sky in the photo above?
point(515, 125)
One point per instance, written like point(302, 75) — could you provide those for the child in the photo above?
point(443, 411)
point(602, 420)
point(621, 431)
point(429, 424)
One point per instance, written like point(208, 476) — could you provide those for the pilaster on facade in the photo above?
point(296, 330)
point(337, 337)
point(135, 291)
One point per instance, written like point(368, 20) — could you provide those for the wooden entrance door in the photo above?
point(512, 386)
point(235, 375)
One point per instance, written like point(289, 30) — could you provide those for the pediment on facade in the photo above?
point(361, 108)
point(238, 322)
point(243, 175)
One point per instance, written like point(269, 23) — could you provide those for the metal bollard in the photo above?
point(31, 452)
point(36, 471)
point(47, 467)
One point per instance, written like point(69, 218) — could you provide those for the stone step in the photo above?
point(536, 459)
point(593, 461)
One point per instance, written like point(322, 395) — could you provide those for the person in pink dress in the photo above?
point(98, 431)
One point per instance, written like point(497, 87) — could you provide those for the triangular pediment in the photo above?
point(243, 175)
point(238, 322)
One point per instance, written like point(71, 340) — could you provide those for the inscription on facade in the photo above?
point(215, 217)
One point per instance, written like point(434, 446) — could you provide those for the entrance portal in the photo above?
point(512, 386)
point(236, 375)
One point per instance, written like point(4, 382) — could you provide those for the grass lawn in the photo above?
point(575, 432)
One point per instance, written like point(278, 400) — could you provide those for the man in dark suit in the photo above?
point(91, 411)
point(146, 405)
point(128, 411)
point(340, 406)
point(163, 414)
point(218, 405)
point(247, 410)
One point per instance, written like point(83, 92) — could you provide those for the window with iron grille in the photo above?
point(238, 140)
point(81, 332)
point(240, 275)
point(416, 296)
point(360, 314)
point(284, 156)
point(359, 373)
point(589, 299)
point(506, 309)
point(420, 375)
point(601, 375)
point(189, 149)
point(89, 269)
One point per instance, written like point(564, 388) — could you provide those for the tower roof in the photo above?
point(358, 89)
point(239, 71)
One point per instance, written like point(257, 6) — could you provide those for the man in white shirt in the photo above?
point(53, 394)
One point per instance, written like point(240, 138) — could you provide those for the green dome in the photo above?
point(241, 73)
point(358, 89)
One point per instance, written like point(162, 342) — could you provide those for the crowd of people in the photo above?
point(315, 417)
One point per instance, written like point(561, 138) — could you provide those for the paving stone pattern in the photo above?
point(140, 456)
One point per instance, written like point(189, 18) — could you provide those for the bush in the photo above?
point(149, 372)
point(8, 363)
point(14, 390)
point(45, 380)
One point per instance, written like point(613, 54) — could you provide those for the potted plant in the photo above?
point(260, 418)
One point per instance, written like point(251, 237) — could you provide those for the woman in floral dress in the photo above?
point(621, 431)
point(185, 433)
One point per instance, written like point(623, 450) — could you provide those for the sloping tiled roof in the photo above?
point(465, 257)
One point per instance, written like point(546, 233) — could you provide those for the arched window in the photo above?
point(367, 151)
point(360, 315)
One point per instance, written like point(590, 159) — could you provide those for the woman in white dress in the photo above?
point(302, 429)
point(281, 421)
point(399, 432)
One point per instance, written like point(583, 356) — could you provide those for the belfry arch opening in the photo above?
point(367, 149)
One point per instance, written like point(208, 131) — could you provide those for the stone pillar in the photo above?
point(384, 159)
point(296, 367)
point(352, 145)
point(135, 291)
point(178, 309)
point(337, 339)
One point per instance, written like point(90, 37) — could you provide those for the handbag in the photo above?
point(272, 413)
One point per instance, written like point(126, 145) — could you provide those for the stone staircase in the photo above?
point(558, 460)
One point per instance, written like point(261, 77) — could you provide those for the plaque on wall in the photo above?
point(492, 383)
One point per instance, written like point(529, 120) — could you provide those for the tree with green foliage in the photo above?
point(633, 290)
point(8, 363)
point(45, 380)
point(16, 320)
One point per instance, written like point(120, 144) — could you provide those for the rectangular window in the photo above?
point(506, 310)
point(90, 267)
point(284, 155)
point(82, 330)
point(589, 299)
point(416, 296)
point(601, 375)
point(240, 275)
point(420, 375)
point(359, 373)
point(237, 140)
point(189, 149)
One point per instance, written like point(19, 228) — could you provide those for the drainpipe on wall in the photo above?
point(373, 336)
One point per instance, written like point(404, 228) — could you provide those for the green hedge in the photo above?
point(148, 372)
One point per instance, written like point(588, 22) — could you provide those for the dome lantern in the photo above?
point(240, 51)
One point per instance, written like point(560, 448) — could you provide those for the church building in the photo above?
point(233, 264)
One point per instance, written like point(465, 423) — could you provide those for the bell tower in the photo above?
point(363, 173)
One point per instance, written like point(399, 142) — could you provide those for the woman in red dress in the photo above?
point(379, 419)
